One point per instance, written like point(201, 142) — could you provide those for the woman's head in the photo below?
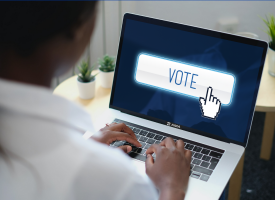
point(50, 34)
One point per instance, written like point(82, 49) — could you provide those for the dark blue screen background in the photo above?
point(241, 60)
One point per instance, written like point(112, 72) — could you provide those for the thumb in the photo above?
point(149, 162)
point(188, 156)
point(125, 148)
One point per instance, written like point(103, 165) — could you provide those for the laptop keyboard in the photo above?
point(204, 158)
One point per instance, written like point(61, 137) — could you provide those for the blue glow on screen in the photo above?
point(241, 60)
point(147, 85)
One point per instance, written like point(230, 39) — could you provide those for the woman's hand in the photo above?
point(170, 169)
point(113, 132)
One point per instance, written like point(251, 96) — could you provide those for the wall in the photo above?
point(198, 13)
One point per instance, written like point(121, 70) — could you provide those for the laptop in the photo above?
point(188, 83)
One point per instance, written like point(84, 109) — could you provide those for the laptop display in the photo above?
point(188, 78)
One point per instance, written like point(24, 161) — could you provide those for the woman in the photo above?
point(43, 154)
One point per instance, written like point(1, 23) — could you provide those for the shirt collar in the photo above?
point(40, 102)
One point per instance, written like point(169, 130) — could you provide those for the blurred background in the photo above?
point(227, 16)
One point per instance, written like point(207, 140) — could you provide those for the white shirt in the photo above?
point(48, 159)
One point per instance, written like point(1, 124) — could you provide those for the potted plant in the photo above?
point(106, 67)
point(270, 23)
point(86, 81)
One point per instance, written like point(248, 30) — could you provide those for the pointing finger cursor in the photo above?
point(210, 106)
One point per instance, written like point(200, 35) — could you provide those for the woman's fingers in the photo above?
point(168, 142)
point(125, 148)
point(153, 149)
point(149, 162)
point(180, 145)
point(122, 128)
point(116, 135)
point(188, 155)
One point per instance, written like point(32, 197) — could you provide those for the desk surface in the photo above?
point(266, 96)
point(100, 103)
point(94, 106)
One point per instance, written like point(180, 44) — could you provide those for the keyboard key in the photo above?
point(212, 166)
point(195, 175)
point(150, 141)
point(138, 136)
point(189, 146)
point(214, 160)
point(137, 156)
point(175, 140)
point(193, 153)
point(143, 139)
point(134, 148)
point(205, 164)
point(154, 155)
point(197, 149)
point(158, 137)
point(215, 154)
point(206, 158)
point(204, 177)
point(205, 151)
point(196, 162)
point(150, 135)
point(202, 170)
point(136, 130)
point(157, 142)
point(198, 155)
point(142, 144)
point(191, 166)
point(131, 127)
point(147, 146)
point(141, 151)
point(144, 133)
point(118, 143)
point(214, 163)
point(163, 138)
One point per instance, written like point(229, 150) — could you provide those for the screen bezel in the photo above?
point(201, 31)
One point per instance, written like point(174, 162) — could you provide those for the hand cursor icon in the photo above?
point(210, 106)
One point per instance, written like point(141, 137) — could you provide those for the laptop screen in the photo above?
point(189, 78)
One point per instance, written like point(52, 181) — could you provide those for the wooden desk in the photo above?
point(265, 103)
point(94, 106)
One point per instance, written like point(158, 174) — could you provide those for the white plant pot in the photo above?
point(86, 90)
point(271, 61)
point(106, 79)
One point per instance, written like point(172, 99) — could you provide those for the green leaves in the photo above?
point(107, 64)
point(85, 72)
point(270, 23)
